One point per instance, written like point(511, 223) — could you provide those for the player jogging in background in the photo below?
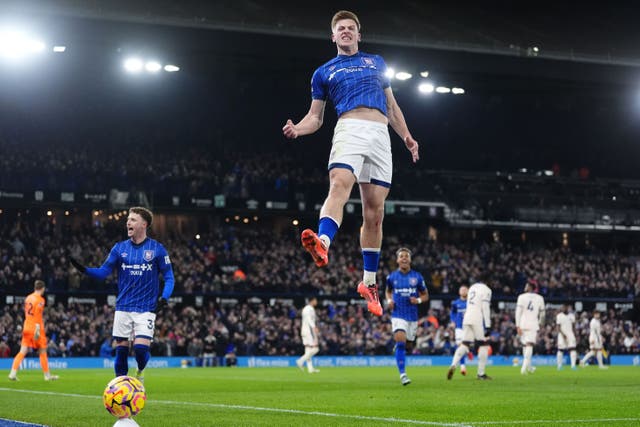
point(530, 313)
point(566, 338)
point(456, 315)
point(140, 261)
point(361, 148)
point(595, 342)
point(309, 335)
point(476, 326)
point(33, 333)
point(405, 290)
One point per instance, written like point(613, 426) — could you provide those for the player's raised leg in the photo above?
point(341, 181)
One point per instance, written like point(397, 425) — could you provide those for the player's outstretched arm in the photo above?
point(77, 264)
point(398, 123)
point(101, 272)
point(309, 123)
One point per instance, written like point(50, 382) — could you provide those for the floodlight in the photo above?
point(390, 73)
point(443, 89)
point(59, 49)
point(152, 66)
point(457, 91)
point(15, 44)
point(425, 87)
point(403, 75)
point(133, 65)
point(171, 68)
point(424, 74)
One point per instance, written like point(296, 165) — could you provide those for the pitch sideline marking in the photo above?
point(333, 415)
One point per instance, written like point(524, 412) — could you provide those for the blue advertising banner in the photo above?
point(58, 363)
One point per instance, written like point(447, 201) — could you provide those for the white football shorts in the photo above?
point(528, 336)
point(409, 328)
point(309, 339)
point(364, 147)
point(127, 325)
point(595, 343)
point(471, 333)
point(569, 342)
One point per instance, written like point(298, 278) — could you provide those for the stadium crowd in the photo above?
point(221, 332)
point(167, 169)
point(161, 168)
point(259, 260)
point(249, 261)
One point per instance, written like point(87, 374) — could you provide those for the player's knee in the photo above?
point(373, 218)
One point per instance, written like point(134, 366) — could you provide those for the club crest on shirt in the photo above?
point(367, 61)
point(413, 281)
point(331, 68)
point(124, 254)
point(148, 255)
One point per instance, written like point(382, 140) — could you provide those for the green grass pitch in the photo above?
point(337, 397)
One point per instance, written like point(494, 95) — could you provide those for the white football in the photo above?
point(126, 422)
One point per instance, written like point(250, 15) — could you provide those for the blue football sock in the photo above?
point(142, 355)
point(328, 227)
point(400, 356)
point(371, 258)
point(121, 365)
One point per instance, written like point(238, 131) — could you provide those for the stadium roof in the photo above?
point(584, 32)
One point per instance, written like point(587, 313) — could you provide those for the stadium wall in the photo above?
point(58, 363)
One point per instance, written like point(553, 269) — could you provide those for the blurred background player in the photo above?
point(140, 261)
point(565, 320)
point(476, 326)
point(595, 342)
point(361, 148)
point(33, 333)
point(529, 316)
point(456, 314)
point(405, 290)
point(309, 334)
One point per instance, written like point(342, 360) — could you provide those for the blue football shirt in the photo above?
point(458, 307)
point(404, 286)
point(139, 269)
point(352, 81)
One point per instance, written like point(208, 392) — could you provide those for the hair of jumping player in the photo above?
point(344, 14)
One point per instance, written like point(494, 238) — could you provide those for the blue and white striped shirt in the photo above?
point(352, 81)
point(139, 268)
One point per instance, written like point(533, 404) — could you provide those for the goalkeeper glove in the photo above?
point(161, 304)
point(81, 268)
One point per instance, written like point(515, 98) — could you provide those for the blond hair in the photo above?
point(344, 14)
